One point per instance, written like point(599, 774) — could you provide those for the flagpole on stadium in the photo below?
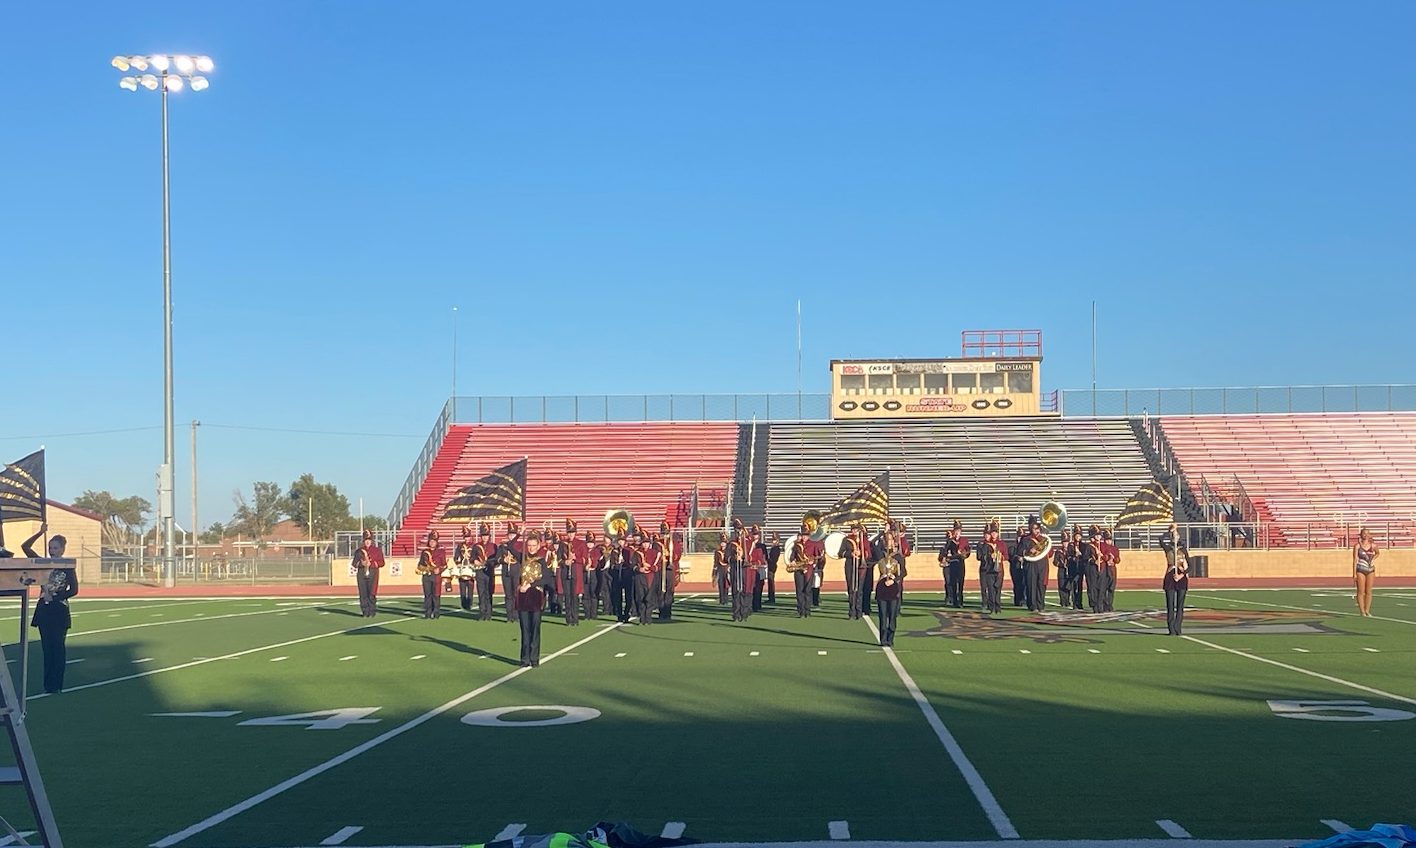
point(173, 74)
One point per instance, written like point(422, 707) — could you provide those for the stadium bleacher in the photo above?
point(1316, 477)
point(969, 469)
point(578, 471)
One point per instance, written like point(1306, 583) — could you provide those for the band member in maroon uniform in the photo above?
point(645, 573)
point(1091, 565)
point(484, 563)
point(1035, 572)
point(1110, 558)
point(597, 577)
point(668, 577)
point(533, 579)
point(951, 559)
point(1017, 577)
point(991, 556)
point(570, 581)
point(890, 590)
point(432, 562)
point(738, 576)
point(757, 559)
point(816, 552)
point(368, 559)
point(855, 550)
point(626, 563)
point(1176, 584)
point(1060, 558)
point(580, 549)
point(462, 557)
point(774, 556)
point(802, 564)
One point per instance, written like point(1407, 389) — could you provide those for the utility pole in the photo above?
point(196, 527)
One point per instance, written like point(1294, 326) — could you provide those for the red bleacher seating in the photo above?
point(1319, 476)
point(578, 471)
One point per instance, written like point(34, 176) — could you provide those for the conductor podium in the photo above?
point(16, 576)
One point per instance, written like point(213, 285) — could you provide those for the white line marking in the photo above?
point(230, 656)
point(981, 792)
point(1338, 680)
point(1309, 609)
point(754, 653)
point(1301, 650)
point(292, 782)
point(511, 831)
point(339, 836)
point(1162, 651)
point(24, 834)
point(279, 659)
point(1093, 651)
point(71, 662)
point(137, 662)
point(688, 653)
point(822, 653)
point(348, 658)
point(1371, 650)
point(839, 829)
point(116, 615)
point(1024, 651)
point(1174, 830)
point(1337, 825)
point(418, 657)
point(958, 653)
point(212, 714)
point(672, 830)
point(165, 623)
point(157, 615)
point(621, 654)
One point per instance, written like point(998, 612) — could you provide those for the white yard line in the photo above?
point(75, 634)
point(230, 656)
point(340, 836)
point(672, 830)
point(291, 783)
point(1173, 830)
point(1306, 609)
point(982, 793)
point(115, 610)
point(1329, 678)
point(1337, 825)
point(839, 829)
point(24, 834)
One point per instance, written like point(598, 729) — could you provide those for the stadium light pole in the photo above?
point(173, 73)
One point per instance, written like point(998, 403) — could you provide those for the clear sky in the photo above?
point(631, 197)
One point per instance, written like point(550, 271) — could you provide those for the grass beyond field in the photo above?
point(256, 723)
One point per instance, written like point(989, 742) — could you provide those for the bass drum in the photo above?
point(833, 545)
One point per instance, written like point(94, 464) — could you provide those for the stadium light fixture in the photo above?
point(172, 75)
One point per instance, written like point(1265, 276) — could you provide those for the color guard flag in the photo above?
point(1151, 505)
point(22, 489)
point(501, 495)
point(870, 502)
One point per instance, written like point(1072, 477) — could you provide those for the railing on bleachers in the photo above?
point(1233, 400)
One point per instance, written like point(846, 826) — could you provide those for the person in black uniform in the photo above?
point(462, 559)
point(951, 559)
point(853, 552)
point(643, 577)
point(1036, 572)
point(774, 556)
point(990, 570)
point(1091, 566)
point(533, 579)
point(1060, 562)
point(803, 569)
point(738, 567)
point(570, 575)
point(720, 570)
point(484, 563)
point(51, 613)
point(432, 562)
point(513, 544)
point(1176, 584)
point(889, 592)
point(1016, 574)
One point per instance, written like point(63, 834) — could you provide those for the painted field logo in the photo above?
point(1050, 628)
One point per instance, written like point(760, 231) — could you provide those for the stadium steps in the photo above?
point(579, 471)
point(969, 469)
point(750, 479)
point(1319, 476)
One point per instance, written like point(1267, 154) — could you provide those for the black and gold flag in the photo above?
point(1151, 505)
point(870, 502)
point(22, 489)
point(501, 495)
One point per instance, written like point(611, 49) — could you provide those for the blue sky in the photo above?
point(631, 197)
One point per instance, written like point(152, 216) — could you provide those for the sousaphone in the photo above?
point(618, 524)
point(815, 530)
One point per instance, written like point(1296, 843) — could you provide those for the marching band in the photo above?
point(633, 576)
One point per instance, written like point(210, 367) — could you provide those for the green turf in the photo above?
point(1098, 731)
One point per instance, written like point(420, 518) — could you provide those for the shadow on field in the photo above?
point(464, 648)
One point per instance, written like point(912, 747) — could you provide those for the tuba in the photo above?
point(618, 523)
point(813, 527)
point(1053, 516)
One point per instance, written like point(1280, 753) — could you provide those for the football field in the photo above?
point(267, 723)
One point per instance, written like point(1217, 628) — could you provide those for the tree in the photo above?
point(123, 518)
point(213, 534)
point(331, 509)
point(371, 522)
point(257, 518)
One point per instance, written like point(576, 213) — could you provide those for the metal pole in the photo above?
point(454, 363)
point(1093, 359)
point(196, 527)
point(166, 501)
